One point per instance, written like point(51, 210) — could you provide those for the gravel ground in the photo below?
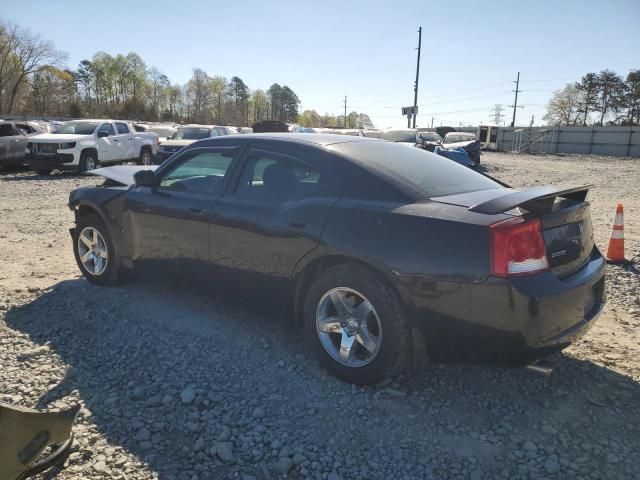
point(180, 386)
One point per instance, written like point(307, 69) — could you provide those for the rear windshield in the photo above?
point(163, 131)
point(428, 173)
point(455, 138)
point(191, 133)
point(79, 128)
point(399, 135)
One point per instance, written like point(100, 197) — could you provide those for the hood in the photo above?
point(58, 138)
point(122, 174)
point(177, 143)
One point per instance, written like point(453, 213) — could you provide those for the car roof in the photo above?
point(320, 139)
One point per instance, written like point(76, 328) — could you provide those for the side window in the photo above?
point(277, 179)
point(202, 173)
point(213, 132)
point(106, 127)
point(25, 128)
point(6, 130)
point(122, 127)
point(222, 131)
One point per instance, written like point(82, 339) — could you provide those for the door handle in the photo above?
point(197, 211)
point(299, 225)
point(116, 140)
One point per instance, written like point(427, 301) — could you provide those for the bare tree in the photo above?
point(24, 54)
point(564, 106)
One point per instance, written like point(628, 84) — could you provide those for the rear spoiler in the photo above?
point(536, 199)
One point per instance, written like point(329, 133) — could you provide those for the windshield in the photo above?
point(163, 131)
point(430, 174)
point(399, 136)
point(79, 128)
point(459, 137)
point(191, 133)
point(430, 136)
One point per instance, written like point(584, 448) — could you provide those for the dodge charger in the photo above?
point(376, 250)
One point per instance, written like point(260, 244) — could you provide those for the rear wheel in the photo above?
point(88, 161)
point(356, 325)
point(94, 251)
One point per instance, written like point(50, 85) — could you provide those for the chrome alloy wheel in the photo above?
point(348, 327)
point(92, 250)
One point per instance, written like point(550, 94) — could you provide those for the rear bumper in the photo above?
point(60, 161)
point(509, 322)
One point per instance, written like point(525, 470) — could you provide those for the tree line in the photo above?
point(604, 98)
point(311, 118)
point(34, 80)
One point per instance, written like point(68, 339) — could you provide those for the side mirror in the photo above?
point(145, 178)
point(102, 134)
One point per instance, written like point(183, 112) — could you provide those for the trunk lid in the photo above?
point(563, 212)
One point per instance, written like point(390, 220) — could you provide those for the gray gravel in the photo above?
point(179, 386)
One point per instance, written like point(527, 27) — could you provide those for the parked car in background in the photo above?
point(464, 140)
point(265, 126)
point(428, 140)
point(186, 135)
point(82, 145)
point(375, 248)
point(406, 136)
point(164, 131)
point(14, 137)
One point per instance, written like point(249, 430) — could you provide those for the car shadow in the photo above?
point(237, 359)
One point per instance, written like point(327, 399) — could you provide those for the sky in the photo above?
point(366, 50)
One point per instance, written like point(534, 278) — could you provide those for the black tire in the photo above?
point(111, 273)
point(87, 157)
point(146, 158)
point(43, 172)
point(394, 349)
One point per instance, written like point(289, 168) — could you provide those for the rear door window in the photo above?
point(122, 127)
point(277, 178)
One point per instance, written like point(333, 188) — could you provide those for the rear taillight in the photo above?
point(517, 248)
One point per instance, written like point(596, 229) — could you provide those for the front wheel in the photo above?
point(88, 161)
point(94, 252)
point(356, 325)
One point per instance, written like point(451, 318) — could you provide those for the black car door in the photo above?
point(167, 226)
point(272, 218)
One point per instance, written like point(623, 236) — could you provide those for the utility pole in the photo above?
point(431, 122)
point(515, 102)
point(497, 113)
point(345, 111)
point(415, 88)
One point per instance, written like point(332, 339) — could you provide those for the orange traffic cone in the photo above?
point(615, 252)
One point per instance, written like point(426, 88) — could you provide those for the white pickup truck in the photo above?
point(83, 145)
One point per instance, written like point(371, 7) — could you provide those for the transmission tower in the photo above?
point(497, 114)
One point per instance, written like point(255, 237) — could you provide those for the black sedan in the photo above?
point(377, 249)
